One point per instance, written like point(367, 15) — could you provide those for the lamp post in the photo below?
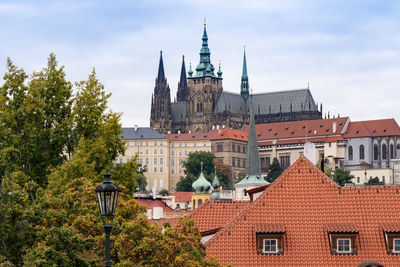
point(107, 197)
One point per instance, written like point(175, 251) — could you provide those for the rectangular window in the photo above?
point(147, 151)
point(265, 161)
point(173, 152)
point(161, 169)
point(233, 147)
point(186, 153)
point(233, 162)
point(172, 162)
point(161, 161)
point(155, 151)
point(180, 162)
point(285, 162)
point(238, 148)
point(180, 153)
point(396, 245)
point(155, 143)
point(141, 161)
point(155, 160)
point(161, 151)
point(220, 147)
point(270, 246)
point(147, 161)
point(172, 171)
point(155, 169)
point(343, 245)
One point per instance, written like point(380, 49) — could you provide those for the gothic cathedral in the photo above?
point(201, 104)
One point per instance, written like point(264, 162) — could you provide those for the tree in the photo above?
point(374, 181)
point(224, 175)
point(185, 183)
point(275, 170)
point(240, 176)
point(193, 163)
point(342, 176)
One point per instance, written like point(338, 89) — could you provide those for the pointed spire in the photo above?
point(190, 72)
point(182, 84)
point(219, 70)
point(205, 68)
point(253, 170)
point(244, 86)
point(161, 74)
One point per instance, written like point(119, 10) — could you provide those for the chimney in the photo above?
point(334, 127)
point(190, 131)
point(179, 131)
point(217, 127)
point(136, 127)
point(315, 132)
point(169, 132)
point(213, 127)
point(223, 126)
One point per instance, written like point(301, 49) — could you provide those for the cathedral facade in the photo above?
point(202, 104)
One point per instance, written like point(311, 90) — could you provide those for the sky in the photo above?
point(348, 51)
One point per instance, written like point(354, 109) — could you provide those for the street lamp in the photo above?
point(107, 197)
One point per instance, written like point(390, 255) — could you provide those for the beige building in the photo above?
point(229, 147)
point(180, 145)
point(152, 150)
point(286, 140)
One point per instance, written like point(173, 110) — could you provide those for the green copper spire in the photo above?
point(244, 86)
point(205, 68)
point(219, 71)
point(253, 171)
point(215, 186)
point(201, 185)
point(190, 72)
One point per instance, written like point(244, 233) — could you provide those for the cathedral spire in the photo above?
point(205, 68)
point(183, 89)
point(244, 86)
point(161, 74)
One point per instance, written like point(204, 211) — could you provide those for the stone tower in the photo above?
point(160, 117)
point(183, 89)
point(204, 90)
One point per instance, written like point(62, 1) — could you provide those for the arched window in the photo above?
point(194, 204)
point(361, 151)
point(383, 151)
point(376, 152)
point(391, 151)
point(350, 153)
point(201, 107)
point(198, 107)
point(199, 202)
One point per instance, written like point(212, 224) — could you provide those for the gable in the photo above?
point(306, 201)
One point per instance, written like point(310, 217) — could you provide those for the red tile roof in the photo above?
point(228, 133)
point(306, 202)
point(385, 127)
point(182, 196)
point(269, 228)
point(341, 228)
point(187, 136)
point(151, 203)
point(299, 129)
point(391, 227)
point(213, 215)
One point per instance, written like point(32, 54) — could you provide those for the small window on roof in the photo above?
point(396, 245)
point(392, 237)
point(343, 238)
point(270, 245)
point(343, 245)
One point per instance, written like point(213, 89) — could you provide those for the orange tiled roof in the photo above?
point(299, 129)
point(306, 202)
point(385, 127)
point(213, 215)
point(228, 133)
point(391, 227)
point(269, 228)
point(182, 196)
point(187, 136)
point(341, 228)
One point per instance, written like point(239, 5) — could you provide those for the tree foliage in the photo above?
point(342, 176)
point(374, 181)
point(275, 170)
point(54, 148)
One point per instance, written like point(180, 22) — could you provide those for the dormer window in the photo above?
point(343, 245)
point(270, 238)
point(270, 246)
point(392, 238)
point(342, 238)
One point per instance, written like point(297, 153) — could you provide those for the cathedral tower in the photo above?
point(204, 90)
point(183, 89)
point(160, 118)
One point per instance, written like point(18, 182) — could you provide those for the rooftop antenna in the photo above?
point(308, 85)
point(204, 21)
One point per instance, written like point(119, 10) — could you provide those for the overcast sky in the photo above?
point(348, 50)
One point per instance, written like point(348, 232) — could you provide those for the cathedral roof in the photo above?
point(230, 102)
point(283, 101)
point(178, 111)
point(134, 133)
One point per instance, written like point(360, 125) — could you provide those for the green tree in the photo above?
point(185, 183)
point(224, 175)
point(193, 163)
point(374, 181)
point(275, 170)
point(342, 176)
